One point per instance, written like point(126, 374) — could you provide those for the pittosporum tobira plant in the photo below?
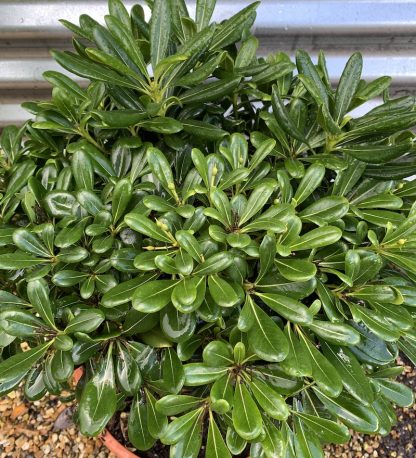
point(228, 254)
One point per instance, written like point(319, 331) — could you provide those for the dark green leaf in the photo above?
point(310, 181)
point(138, 430)
point(160, 27)
point(296, 269)
point(246, 416)
point(86, 321)
point(197, 374)
point(89, 69)
point(176, 404)
point(353, 414)
point(180, 426)
point(317, 238)
point(19, 364)
point(18, 260)
point(214, 264)
point(283, 117)
point(231, 29)
point(347, 86)
point(216, 447)
point(98, 400)
point(287, 307)
point(144, 225)
point(336, 333)
point(209, 91)
point(38, 294)
point(328, 431)
point(153, 296)
point(204, 10)
point(353, 376)
point(323, 372)
point(270, 401)
point(395, 392)
point(265, 337)
point(26, 241)
point(156, 421)
point(298, 362)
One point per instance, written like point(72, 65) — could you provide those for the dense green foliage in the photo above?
point(228, 254)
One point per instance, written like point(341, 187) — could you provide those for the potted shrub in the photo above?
point(216, 244)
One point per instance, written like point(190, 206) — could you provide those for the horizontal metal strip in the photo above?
point(12, 113)
point(27, 72)
point(33, 18)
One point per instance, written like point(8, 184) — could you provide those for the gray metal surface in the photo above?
point(384, 30)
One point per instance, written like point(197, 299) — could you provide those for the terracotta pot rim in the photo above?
point(106, 437)
point(115, 446)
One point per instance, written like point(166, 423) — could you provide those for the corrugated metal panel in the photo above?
point(384, 30)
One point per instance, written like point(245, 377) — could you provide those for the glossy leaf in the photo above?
point(121, 197)
point(327, 430)
point(395, 392)
point(159, 31)
point(38, 294)
point(287, 307)
point(265, 337)
point(323, 372)
point(283, 117)
point(352, 414)
point(156, 420)
point(337, 333)
point(272, 403)
point(175, 404)
point(199, 374)
point(209, 91)
point(246, 416)
point(144, 225)
point(257, 200)
point(296, 269)
point(297, 363)
point(214, 264)
point(86, 321)
point(138, 430)
point(18, 260)
point(28, 242)
point(317, 238)
point(98, 400)
point(311, 180)
point(351, 372)
point(348, 85)
point(216, 447)
point(20, 363)
point(180, 426)
point(124, 291)
point(217, 353)
point(153, 296)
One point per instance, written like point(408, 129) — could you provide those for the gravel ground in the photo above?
point(45, 428)
point(42, 428)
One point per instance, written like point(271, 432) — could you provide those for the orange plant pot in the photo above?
point(115, 447)
point(106, 437)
